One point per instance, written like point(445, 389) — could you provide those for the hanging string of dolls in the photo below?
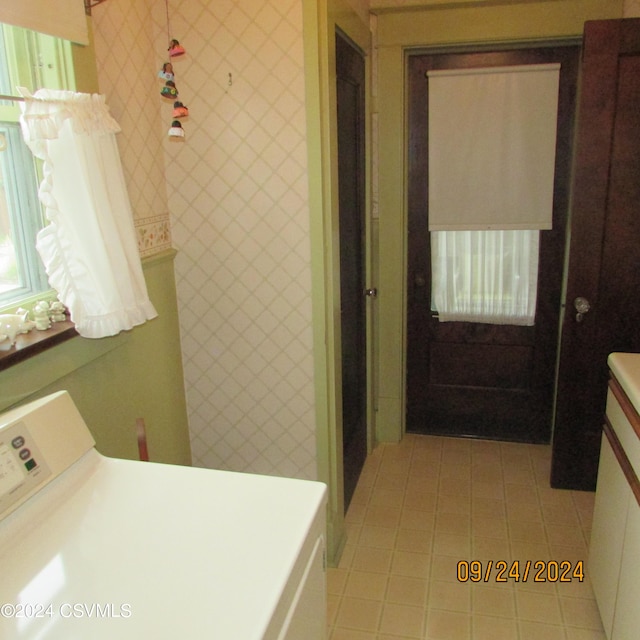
point(170, 91)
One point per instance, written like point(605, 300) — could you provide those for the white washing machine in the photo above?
point(98, 548)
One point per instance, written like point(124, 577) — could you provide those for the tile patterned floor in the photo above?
point(425, 504)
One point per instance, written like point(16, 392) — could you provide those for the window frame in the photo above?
point(33, 60)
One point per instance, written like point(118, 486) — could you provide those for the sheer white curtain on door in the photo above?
point(485, 276)
point(89, 246)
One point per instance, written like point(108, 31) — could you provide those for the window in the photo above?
point(492, 143)
point(485, 276)
point(32, 60)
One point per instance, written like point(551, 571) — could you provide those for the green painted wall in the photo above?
point(115, 380)
point(398, 32)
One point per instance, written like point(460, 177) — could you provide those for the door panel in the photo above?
point(604, 258)
point(475, 379)
point(351, 179)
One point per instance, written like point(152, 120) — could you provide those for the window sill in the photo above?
point(35, 342)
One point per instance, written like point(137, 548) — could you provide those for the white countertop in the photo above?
point(626, 369)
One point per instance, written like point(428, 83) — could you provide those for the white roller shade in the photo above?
point(61, 18)
point(492, 142)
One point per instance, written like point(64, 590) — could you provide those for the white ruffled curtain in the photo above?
point(485, 276)
point(89, 247)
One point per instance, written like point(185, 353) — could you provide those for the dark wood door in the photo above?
point(474, 379)
point(351, 181)
point(604, 262)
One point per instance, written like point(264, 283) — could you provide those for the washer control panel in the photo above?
point(22, 467)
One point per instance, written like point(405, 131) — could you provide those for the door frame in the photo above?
point(320, 22)
point(552, 244)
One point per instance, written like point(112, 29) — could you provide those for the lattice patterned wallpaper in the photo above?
point(237, 193)
point(125, 52)
point(237, 188)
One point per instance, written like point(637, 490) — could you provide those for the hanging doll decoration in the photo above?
point(175, 49)
point(179, 110)
point(176, 130)
point(170, 90)
point(166, 73)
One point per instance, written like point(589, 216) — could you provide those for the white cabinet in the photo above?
point(614, 554)
point(607, 533)
point(626, 623)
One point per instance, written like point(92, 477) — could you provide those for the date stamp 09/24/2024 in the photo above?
point(520, 571)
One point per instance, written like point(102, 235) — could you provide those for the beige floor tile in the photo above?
point(447, 544)
point(544, 588)
point(490, 490)
point(333, 604)
point(351, 634)
point(538, 607)
point(449, 473)
point(495, 601)
point(355, 514)
point(448, 625)
point(525, 531)
point(577, 588)
point(559, 534)
point(387, 498)
point(420, 498)
point(487, 472)
point(558, 497)
point(574, 555)
point(584, 634)
point(581, 612)
point(415, 540)
point(485, 549)
point(425, 474)
point(491, 628)
point(371, 559)
point(453, 503)
point(519, 474)
point(534, 551)
point(454, 486)
point(382, 516)
point(414, 565)
point(429, 503)
point(453, 523)
point(391, 481)
point(382, 537)
point(403, 620)
point(363, 584)
point(359, 614)
point(336, 579)
point(489, 527)
point(416, 519)
point(406, 590)
point(449, 596)
point(560, 514)
point(540, 631)
point(444, 568)
point(348, 553)
point(523, 512)
point(488, 507)
point(394, 466)
point(519, 493)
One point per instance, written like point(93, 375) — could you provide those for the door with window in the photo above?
point(483, 378)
